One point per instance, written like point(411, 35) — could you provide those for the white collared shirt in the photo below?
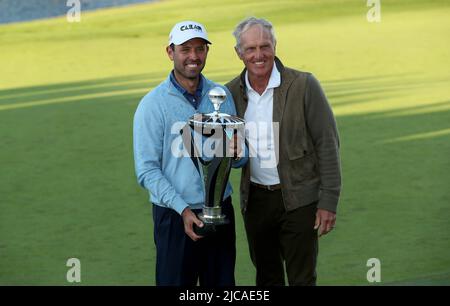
point(259, 126)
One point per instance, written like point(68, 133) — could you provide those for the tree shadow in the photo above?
point(395, 196)
point(36, 95)
point(89, 89)
point(70, 166)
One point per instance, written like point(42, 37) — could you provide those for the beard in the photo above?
point(189, 73)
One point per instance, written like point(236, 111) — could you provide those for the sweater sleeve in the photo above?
point(148, 137)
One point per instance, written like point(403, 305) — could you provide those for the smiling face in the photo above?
point(189, 58)
point(257, 51)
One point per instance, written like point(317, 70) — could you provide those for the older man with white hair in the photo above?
point(290, 200)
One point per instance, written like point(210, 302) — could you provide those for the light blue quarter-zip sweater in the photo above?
point(172, 181)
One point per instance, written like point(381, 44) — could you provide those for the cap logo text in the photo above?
point(190, 27)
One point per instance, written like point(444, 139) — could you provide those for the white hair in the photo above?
point(247, 24)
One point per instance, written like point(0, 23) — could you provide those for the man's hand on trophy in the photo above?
point(189, 219)
point(235, 149)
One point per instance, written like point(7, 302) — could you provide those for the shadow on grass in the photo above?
point(340, 92)
point(83, 90)
point(56, 93)
point(70, 166)
point(73, 85)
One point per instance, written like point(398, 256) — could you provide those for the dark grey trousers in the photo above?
point(276, 237)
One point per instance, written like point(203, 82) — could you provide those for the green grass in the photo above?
point(68, 93)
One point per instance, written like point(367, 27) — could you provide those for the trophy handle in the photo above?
point(188, 142)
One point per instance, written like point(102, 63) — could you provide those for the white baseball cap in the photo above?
point(185, 30)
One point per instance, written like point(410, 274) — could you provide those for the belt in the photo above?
point(267, 187)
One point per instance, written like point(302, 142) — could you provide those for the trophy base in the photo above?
point(210, 224)
point(206, 230)
point(216, 220)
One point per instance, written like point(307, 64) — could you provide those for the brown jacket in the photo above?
point(308, 151)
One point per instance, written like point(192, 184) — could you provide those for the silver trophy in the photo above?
point(213, 160)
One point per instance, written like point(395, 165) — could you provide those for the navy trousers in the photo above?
point(180, 261)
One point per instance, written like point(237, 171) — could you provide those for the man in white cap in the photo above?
point(183, 258)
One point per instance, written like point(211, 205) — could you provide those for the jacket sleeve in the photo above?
point(148, 139)
point(321, 125)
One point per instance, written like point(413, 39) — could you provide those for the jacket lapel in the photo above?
point(279, 93)
point(242, 102)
